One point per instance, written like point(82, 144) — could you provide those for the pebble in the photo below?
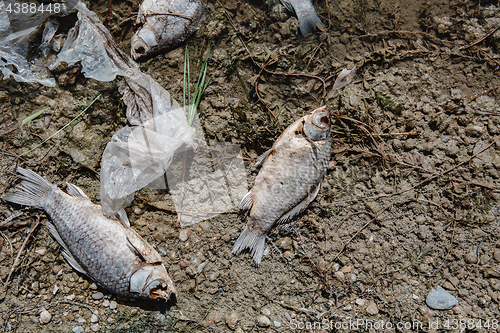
point(354, 278)
point(41, 251)
point(232, 320)
point(184, 234)
point(77, 329)
point(81, 320)
point(348, 308)
point(336, 267)
point(93, 286)
point(496, 255)
point(471, 258)
point(137, 211)
point(263, 321)
point(440, 299)
point(372, 308)
point(339, 275)
point(85, 285)
point(105, 303)
point(70, 297)
point(113, 305)
point(360, 301)
point(97, 296)
point(45, 316)
point(94, 318)
point(266, 312)
point(277, 324)
point(285, 243)
point(287, 254)
point(205, 226)
point(95, 328)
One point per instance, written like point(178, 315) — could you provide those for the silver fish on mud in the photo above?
point(106, 250)
point(165, 24)
point(290, 178)
point(305, 12)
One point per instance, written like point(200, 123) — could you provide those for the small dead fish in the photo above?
point(305, 12)
point(165, 24)
point(290, 178)
point(109, 252)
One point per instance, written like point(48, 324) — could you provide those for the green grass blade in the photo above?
point(33, 116)
point(62, 128)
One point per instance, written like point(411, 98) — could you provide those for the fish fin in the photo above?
point(300, 207)
point(65, 251)
point(263, 157)
point(121, 215)
point(33, 187)
point(288, 6)
point(246, 203)
point(75, 191)
point(145, 256)
point(309, 22)
point(73, 263)
point(254, 242)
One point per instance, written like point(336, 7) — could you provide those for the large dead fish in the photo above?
point(109, 252)
point(305, 12)
point(165, 24)
point(288, 181)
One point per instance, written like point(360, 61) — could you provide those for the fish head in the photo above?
point(317, 124)
point(153, 282)
point(143, 43)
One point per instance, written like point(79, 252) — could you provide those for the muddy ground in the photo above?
point(410, 201)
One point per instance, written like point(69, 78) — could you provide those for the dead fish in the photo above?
point(106, 250)
point(290, 178)
point(165, 24)
point(305, 12)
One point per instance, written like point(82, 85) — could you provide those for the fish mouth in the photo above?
point(143, 43)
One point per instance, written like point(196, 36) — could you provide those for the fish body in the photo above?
point(290, 178)
point(108, 251)
point(165, 24)
point(305, 12)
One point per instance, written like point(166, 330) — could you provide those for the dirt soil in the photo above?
point(411, 200)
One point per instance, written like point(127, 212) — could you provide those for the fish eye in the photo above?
point(325, 120)
point(140, 50)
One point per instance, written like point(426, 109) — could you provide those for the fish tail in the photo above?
point(250, 240)
point(32, 190)
point(308, 22)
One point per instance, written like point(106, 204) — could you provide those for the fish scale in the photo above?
point(107, 250)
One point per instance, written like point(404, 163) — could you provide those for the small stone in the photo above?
point(361, 302)
point(93, 286)
point(339, 275)
point(353, 277)
point(78, 329)
point(97, 296)
point(85, 285)
point(232, 320)
point(348, 307)
point(496, 255)
point(346, 269)
point(471, 258)
point(277, 324)
point(184, 263)
point(372, 308)
point(449, 286)
point(94, 318)
point(263, 321)
point(415, 297)
point(440, 299)
point(336, 267)
point(81, 320)
point(45, 317)
point(205, 226)
point(190, 271)
point(137, 211)
point(239, 330)
point(266, 312)
point(70, 297)
point(285, 243)
point(184, 234)
point(41, 251)
point(95, 328)
point(113, 305)
point(287, 254)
